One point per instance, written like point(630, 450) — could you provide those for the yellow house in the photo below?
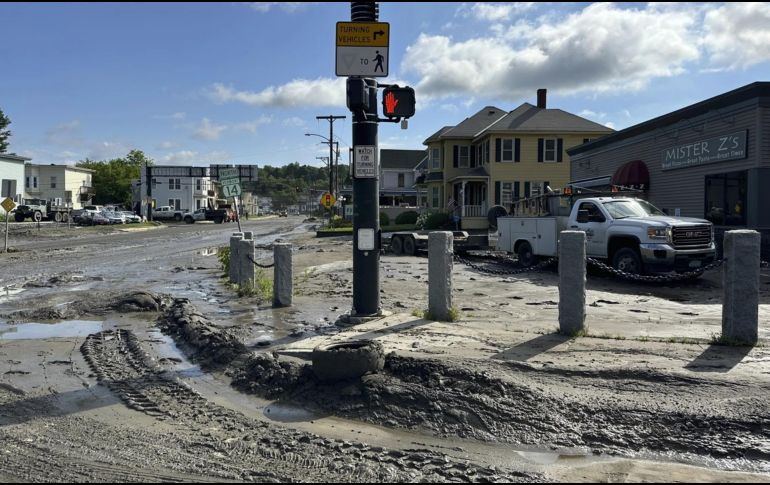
point(496, 157)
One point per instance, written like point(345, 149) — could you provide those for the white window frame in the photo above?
point(401, 180)
point(512, 144)
point(435, 158)
point(554, 150)
point(53, 181)
point(466, 158)
point(34, 181)
point(198, 184)
point(27, 182)
point(435, 197)
point(506, 194)
point(175, 204)
point(174, 184)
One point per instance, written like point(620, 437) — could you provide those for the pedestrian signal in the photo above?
point(398, 102)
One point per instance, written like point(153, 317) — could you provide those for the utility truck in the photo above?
point(629, 233)
point(39, 209)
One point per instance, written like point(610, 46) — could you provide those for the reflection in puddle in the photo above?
point(167, 349)
point(7, 292)
point(284, 413)
point(31, 331)
point(208, 251)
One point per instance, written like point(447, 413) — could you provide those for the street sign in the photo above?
point(231, 190)
point(231, 182)
point(362, 49)
point(228, 173)
point(327, 200)
point(8, 204)
point(365, 161)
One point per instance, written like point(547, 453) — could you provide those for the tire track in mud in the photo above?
point(120, 363)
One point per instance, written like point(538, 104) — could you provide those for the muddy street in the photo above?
point(125, 356)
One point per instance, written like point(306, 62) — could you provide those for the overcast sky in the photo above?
point(196, 83)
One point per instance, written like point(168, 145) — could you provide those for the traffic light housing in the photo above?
point(398, 102)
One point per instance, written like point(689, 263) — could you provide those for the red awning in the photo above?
point(632, 174)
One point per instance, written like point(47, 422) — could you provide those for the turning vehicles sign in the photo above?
point(362, 49)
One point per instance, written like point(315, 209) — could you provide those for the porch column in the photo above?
point(462, 196)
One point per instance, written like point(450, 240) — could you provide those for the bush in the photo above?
point(338, 221)
point(437, 220)
point(408, 217)
point(384, 219)
point(223, 255)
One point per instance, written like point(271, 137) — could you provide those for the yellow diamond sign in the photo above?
point(8, 204)
point(328, 200)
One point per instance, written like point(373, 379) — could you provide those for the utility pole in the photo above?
point(366, 214)
point(331, 120)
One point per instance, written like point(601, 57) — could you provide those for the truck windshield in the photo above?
point(620, 209)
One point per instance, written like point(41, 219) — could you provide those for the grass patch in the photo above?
point(223, 255)
point(390, 228)
point(729, 342)
point(454, 315)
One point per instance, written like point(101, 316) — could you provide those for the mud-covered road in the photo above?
point(125, 357)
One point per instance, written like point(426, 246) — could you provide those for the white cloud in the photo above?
point(67, 133)
point(296, 93)
point(626, 113)
point(191, 157)
point(295, 121)
point(251, 126)
point(179, 116)
point(208, 131)
point(598, 49)
point(610, 125)
point(737, 35)
point(494, 12)
point(587, 113)
point(167, 145)
point(288, 7)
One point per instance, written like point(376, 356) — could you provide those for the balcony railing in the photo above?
point(474, 211)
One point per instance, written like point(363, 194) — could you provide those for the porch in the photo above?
point(470, 195)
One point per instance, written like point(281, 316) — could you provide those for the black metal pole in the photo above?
point(366, 214)
point(148, 178)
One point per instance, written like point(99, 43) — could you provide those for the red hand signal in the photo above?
point(390, 102)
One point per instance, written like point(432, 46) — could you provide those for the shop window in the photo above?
point(726, 198)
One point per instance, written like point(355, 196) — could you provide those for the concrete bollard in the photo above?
point(282, 275)
point(246, 272)
point(234, 260)
point(740, 308)
point(572, 282)
point(440, 262)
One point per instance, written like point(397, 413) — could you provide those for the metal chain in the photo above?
point(260, 265)
point(655, 278)
point(540, 266)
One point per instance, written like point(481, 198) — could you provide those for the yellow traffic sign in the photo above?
point(363, 34)
point(8, 204)
point(328, 200)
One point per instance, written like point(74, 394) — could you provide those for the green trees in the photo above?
point(112, 178)
point(5, 133)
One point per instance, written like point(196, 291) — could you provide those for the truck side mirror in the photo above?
point(582, 216)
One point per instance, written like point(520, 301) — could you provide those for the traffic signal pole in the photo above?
point(366, 213)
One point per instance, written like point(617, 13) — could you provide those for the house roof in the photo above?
point(405, 159)
point(437, 136)
point(753, 90)
point(12, 157)
point(530, 118)
point(64, 166)
point(475, 124)
point(478, 172)
point(435, 177)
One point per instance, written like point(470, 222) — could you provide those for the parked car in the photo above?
point(93, 219)
point(114, 217)
point(167, 213)
point(283, 214)
point(130, 217)
point(198, 215)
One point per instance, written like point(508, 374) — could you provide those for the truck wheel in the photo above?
point(628, 261)
point(410, 246)
point(65, 217)
point(348, 360)
point(57, 217)
point(37, 216)
point(189, 220)
point(397, 245)
point(526, 257)
point(178, 217)
point(19, 217)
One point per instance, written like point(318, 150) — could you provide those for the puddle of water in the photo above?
point(208, 252)
point(285, 413)
point(167, 348)
point(551, 458)
point(8, 293)
point(35, 331)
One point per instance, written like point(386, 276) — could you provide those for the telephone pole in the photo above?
point(331, 119)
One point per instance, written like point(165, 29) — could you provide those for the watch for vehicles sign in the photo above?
point(362, 49)
point(8, 204)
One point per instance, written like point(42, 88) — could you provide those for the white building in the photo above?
point(59, 184)
point(11, 177)
point(397, 176)
point(183, 188)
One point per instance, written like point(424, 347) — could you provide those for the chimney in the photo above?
point(541, 98)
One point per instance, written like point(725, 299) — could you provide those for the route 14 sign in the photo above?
point(362, 49)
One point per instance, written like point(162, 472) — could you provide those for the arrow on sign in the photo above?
point(381, 32)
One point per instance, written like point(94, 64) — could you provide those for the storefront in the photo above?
point(710, 160)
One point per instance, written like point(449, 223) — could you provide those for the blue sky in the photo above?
point(195, 83)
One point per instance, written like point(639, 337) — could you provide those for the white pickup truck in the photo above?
point(631, 234)
point(167, 213)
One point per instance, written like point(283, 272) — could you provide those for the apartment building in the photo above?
point(496, 157)
point(183, 188)
point(59, 184)
point(11, 177)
